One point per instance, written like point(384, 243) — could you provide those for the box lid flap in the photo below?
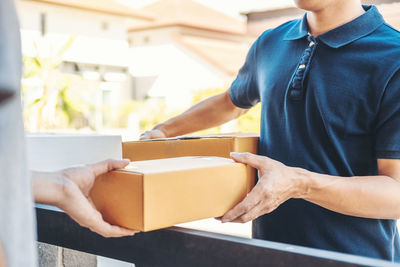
point(176, 164)
point(192, 137)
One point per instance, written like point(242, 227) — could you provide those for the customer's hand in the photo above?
point(75, 201)
point(277, 183)
point(153, 134)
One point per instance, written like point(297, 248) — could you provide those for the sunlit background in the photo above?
point(120, 67)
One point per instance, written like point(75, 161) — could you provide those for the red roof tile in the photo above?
point(192, 14)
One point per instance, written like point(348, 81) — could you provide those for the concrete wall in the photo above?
point(52, 256)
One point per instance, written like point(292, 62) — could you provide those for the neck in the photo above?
point(333, 16)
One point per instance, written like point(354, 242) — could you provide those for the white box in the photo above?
point(52, 152)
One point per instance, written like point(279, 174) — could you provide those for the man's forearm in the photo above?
point(375, 197)
point(366, 196)
point(209, 113)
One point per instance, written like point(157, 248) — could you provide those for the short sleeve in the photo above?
point(244, 91)
point(388, 123)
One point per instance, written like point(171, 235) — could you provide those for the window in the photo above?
point(43, 26)
point(105, 25)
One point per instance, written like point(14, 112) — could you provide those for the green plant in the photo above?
point(249, 122)
point(48, 103)
point(152, 114)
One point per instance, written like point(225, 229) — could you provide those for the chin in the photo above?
point(310, 5)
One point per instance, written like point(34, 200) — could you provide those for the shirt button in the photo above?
point(296, 94)
point(311, 43)
point(302, 66)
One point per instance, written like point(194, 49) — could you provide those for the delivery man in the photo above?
point(329, 168)
point(67, 189)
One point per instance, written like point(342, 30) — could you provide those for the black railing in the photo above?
point(185, 247)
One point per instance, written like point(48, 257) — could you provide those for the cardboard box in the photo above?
point(210, 145)
point(154, 194)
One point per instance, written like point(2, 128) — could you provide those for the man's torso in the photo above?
point(322, 98)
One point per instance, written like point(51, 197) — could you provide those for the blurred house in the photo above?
point(99, 51)
point(187, 47)
point(260, 20)
point(166, 50)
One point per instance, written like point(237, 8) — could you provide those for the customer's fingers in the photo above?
point(108, 165)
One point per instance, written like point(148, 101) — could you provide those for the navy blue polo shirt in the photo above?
point(331, 105)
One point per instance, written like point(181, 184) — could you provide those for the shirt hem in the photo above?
point(388, 154)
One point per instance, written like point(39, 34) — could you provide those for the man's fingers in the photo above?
point(253, 214)
point(238, 210)
point(144, 136)
point(250, 201)
point(108, 165)
point(153, 134)
point(253, 160)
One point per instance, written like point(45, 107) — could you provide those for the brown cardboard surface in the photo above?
point(116, 193)
point(209, 145)
point(154, 194)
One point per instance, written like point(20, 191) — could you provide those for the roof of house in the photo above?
point(191, 14)
point(227, 56)
point(102, 6)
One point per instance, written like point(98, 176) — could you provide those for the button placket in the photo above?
point(297, 83)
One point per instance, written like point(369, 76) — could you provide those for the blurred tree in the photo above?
point(53, 99)
point(249, 122)
point(155, 112)
point(47, 93)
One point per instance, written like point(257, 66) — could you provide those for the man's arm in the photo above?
point(69, 190)
point(365, 196)
point(209, 113)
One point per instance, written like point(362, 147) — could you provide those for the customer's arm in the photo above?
point(69, 190)
point(209, 113)
point(363, 196)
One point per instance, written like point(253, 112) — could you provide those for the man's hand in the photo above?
point(69, 190)
point(277, 183)
point(153, 134)
point(375, 197)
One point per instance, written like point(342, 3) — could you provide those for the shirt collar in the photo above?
point(342, 35)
